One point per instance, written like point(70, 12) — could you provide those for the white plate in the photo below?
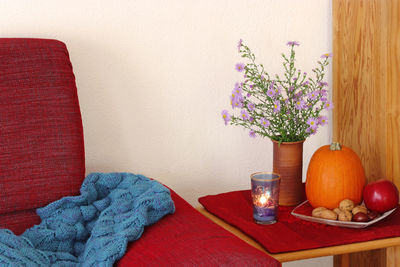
point(339, 223)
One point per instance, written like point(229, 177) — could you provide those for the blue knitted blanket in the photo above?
point(91, 229)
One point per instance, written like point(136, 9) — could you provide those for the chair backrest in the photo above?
point(41, 137)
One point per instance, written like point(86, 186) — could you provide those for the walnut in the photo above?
point(337, 211)
point(346, 204)
point(317, 212)
point(345, 216)
point(358, 209)
point(328, 214)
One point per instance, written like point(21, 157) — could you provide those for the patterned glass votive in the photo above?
point(265, 195)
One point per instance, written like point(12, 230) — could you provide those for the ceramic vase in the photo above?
point(288, 162)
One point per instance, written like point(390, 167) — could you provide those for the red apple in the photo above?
point(381, 196)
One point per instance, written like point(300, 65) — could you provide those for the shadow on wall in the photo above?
point(108, 95)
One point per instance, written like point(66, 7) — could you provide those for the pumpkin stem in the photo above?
point(335, 146)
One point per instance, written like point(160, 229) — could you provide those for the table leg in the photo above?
point(372, 258)
point(393, 256)
point(341, 260)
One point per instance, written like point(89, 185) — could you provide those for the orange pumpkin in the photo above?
point(335, 173)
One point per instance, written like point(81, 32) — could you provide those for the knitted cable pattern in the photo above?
point(92, 229)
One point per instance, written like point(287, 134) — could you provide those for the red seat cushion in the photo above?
point(41, 144)
point(187, 238)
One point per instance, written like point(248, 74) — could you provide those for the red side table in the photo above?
point(233, 212)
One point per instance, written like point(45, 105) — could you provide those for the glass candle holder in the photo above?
point(265, 195)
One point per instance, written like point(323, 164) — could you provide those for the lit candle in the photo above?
point(265, 193)
point(263, 200)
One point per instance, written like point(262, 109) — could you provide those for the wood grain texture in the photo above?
point(393, 256)
point(365, 258)
point(366, 94)
point(393, 92)
point(359, 81)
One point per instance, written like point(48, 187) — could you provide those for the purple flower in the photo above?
point(328, 105)
point(306, 83)
point(262, 77)
point(272, 85)
point(322, 120)
point(239, 44)
point(251, 86)
point(250, 106)
point(251, 119)
point(323, 83)
point(239, 67)
point(248, 95)
point(291, 89)
point(244, 114)
point(293, 43)
point(294, 79)
point(252, 134)
point(264, 122)
point(277, 106)
point(270, 92)
point(226, 116)
point(327, 55)
point(277, 91)
point(313, 123)
point(237, 101)
point(300, 104)
point(323, 92)
point(298, 95)
point(237, 91)
point(312, 95)
point(311, 130)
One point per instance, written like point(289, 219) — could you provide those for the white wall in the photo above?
point(153, 77)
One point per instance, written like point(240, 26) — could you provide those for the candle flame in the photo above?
point(263, 200)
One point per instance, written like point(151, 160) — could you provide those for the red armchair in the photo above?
point(42, 159)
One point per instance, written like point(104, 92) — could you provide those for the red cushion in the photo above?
point(19, 221)
point(187, 238)
point(41, 144)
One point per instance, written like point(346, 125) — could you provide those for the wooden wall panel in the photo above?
point(366, 95)
point(359, 81)
point(393, 92)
